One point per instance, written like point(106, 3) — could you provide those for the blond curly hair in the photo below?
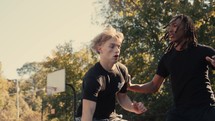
point(108, 33)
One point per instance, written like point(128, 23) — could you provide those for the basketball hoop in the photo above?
point(51, 90)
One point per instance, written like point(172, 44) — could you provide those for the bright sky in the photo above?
point(30, 29)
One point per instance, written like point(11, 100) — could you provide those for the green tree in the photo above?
point(75, 64)
point(62, 57)
point(7, 103)
point(142, 23)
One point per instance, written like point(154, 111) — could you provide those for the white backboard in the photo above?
point(56, 82)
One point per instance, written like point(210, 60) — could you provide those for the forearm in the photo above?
point(125, 102)
point(149, 87)
point(143, 88)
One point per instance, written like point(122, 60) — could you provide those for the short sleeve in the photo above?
point(91, 88)
point(162, 69)
point(126, 77)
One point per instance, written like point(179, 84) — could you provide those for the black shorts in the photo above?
point(113, 117)
point(198, 113)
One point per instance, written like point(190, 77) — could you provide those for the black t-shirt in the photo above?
point(188, 71)
point(101, 86)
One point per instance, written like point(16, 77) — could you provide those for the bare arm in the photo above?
point(130, 106)
point(88, 110)
point(149, 87)
point(211, 60)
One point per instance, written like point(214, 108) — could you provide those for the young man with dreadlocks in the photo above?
point(187, 64)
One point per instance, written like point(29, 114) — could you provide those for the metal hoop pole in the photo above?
point(74, 99)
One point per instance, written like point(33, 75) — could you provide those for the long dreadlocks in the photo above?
point(189, 29)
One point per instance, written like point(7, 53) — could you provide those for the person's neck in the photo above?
point(107, 66)
point(179, 46)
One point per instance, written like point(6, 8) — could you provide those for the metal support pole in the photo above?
point(17, 98)
point(74, 99)
point(42, 111)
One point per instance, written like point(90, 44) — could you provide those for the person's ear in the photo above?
point(99, 50)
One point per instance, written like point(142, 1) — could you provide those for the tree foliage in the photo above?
point(142, 23)
point(34, 104)
point(75, 64)
point(8, 103)
point(62, 57)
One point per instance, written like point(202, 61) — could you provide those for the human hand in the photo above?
point(139, 107)
point(129, 81)
point(211, 60)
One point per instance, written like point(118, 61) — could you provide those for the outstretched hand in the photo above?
point(211, 60)
point(139, 107)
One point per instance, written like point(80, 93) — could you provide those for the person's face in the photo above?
point(110, 50)
point(176, 31)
